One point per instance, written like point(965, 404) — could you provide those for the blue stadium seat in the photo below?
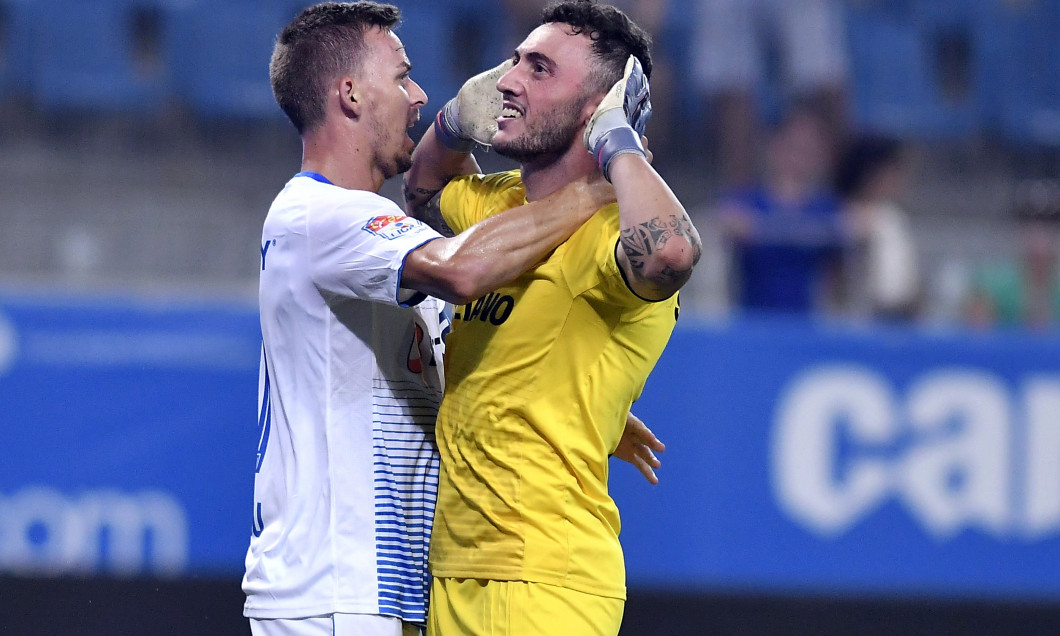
point(85, 57)
point(1024, 39)
point(16, 49)
point(917, 71)
point(220, 53)
point(432, 30)
point(426, 30)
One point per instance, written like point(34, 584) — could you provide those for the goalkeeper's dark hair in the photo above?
point(324, 42)
point(614, 37)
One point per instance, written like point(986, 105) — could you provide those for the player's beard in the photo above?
point(389, 161)
point(402, 163)
point(551, 134)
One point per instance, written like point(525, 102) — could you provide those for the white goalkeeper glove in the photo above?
point(620, 119)
point(471, 116)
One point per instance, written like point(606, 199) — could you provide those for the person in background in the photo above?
point(732, 44)
point(1024, 291)
point(884, 277)
point(785, 232)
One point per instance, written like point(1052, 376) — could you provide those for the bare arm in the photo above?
point(659, 246)
point(444, 152)
point(495, 251)
point(433, 166)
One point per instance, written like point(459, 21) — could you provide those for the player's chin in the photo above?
point(399, 165)
point(503, 138)
point(509, 125)
point(404, 162)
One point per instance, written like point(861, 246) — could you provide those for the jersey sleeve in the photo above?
point(358, 250)
point(589, 263)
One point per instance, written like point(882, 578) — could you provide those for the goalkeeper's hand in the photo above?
point(619, 121)
point(636, 447)
point(471, 116)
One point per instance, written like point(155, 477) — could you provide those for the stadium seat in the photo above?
point(220, 53)
point(426, 29)
point(16, 65)
point(1023, 40)
point(916, 69)
point(92, 56)
point(448, 43)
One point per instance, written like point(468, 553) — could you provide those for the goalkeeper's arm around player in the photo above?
point(498, 250)
point(444, 152)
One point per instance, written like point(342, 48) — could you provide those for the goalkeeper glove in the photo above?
point(471, 116)
point(620, 119)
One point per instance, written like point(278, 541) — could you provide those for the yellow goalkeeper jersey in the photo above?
point(539, 377)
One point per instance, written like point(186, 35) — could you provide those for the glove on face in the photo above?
point(620, 119)
point(471, 116)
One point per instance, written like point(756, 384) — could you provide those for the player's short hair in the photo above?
point(614, 37)
point(321, 44)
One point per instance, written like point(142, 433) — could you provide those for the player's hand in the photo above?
point(471, 116)
point(636, 447)
point(619, 121)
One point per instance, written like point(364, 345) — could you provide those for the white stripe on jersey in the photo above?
point(406, 486)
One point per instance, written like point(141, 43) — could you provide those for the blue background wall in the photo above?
point(802, 457)
point(830, 459)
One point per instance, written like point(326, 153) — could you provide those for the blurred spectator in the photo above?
point(884, 278)
point(525, 15)
point(1025, 290)
point(786, 233)
point(738, 45)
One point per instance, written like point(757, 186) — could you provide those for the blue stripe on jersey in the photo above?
point(406, 485)
point(264, 413)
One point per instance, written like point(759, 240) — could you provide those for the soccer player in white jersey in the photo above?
point(352, 333)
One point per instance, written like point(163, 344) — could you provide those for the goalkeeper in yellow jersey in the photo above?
point(541, 373)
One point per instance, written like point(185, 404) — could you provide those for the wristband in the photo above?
point(446, 131)
point(619, 141)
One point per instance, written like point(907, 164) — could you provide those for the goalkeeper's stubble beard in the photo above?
point(550, 134)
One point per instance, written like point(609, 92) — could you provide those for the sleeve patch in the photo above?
point(392, 226)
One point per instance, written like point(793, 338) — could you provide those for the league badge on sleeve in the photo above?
point(392, 226)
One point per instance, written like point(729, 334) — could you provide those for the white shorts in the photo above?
point(729, 43)
point(334, 625)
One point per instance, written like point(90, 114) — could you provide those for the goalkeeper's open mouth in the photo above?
point(510, 110)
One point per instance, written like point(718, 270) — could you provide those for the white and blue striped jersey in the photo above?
point(349, 388)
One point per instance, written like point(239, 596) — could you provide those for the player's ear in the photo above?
point(349, 97)
point(590, 107)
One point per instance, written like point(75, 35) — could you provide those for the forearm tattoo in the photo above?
point(424, 203)
point(644, 239)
